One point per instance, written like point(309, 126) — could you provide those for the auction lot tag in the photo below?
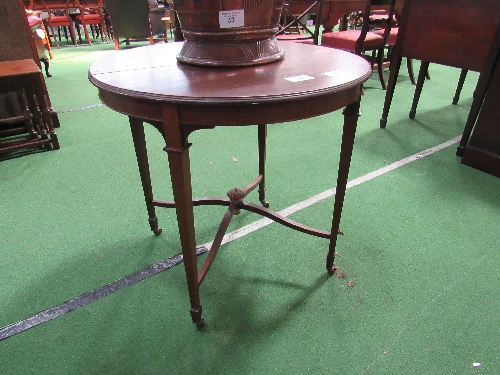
point(231, 18)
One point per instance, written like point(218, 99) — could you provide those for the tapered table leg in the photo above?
point(178, 159)
point(262, 135)
point(351, 114)
point(137, 128)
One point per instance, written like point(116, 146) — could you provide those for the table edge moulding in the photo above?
point(148, 84)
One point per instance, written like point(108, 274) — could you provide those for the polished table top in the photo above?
point(153, 73)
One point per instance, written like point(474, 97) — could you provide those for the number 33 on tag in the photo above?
point(231, 18)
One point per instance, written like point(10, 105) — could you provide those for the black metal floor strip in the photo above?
point(86, 298)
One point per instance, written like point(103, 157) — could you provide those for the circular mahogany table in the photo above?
point(149, 85)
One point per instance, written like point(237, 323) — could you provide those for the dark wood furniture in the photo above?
point(455, 33)
point(148, 84)
point(390, 43)
point(480, 91)
point(482, 151)
point(26, 116)
point(17, 42)
point(30, 122)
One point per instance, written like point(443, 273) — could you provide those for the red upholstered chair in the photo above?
point(391, 38)
point(379, 17)
point(364, 40)
point(390, 43)
point(91, 15)
point(58, 16)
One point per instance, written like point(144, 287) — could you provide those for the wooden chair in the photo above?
point(90, 15)
point(363, 40)
point(422, 75)
point(377, 19)
point(390, 43)
point(292, 26)
point(136, 20)
point(291, 23)
point(58, 17)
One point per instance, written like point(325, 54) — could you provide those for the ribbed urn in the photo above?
point(229, 32)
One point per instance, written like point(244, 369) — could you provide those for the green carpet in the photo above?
point(421, 246)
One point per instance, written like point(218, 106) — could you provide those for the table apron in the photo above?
point(234, 114)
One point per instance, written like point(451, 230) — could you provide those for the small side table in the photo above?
point(149, 85)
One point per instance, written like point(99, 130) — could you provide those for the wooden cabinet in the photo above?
point(483, 150)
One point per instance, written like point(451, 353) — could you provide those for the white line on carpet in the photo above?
point(238, 233)
point(80, 108)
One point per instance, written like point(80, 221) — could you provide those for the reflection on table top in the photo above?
point(153, 73)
